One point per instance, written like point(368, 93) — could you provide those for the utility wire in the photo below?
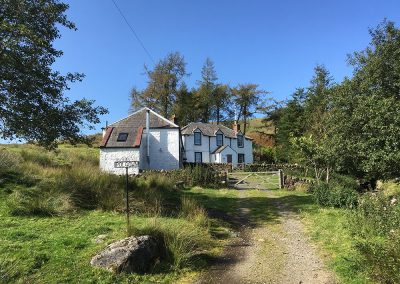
point(133, 31)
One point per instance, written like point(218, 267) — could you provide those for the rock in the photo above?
point(130, 255)
point(100, 238)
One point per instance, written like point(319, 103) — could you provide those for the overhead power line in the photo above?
point(133, 31)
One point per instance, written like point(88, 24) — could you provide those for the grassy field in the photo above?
point(57, 247)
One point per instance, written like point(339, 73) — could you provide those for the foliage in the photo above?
point(32, 104)
point(247, 98)
point(264, 154)
point(375, 225)
point(334, 195)
point(367, 110)
point(164, 81)
point(206, 90)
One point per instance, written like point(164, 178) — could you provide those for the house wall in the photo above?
point(228, 151)
point(207, 147)
point(190, 148)
point(109, 155)
point(164, 150)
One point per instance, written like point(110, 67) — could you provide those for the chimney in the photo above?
point(148, 133)
point(236, 127)
point(104, 129)
point(174, 119)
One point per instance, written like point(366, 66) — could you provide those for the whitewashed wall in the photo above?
point(109, 155)
point(164, 150)
point(190, 149)
point(228, 151)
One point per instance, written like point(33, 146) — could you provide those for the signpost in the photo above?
point(126, 164)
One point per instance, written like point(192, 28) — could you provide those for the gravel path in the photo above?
point(278, 252)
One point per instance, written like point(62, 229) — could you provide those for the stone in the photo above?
point(100, 238)
point(130, 255)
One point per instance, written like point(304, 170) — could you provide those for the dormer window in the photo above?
point(220, 139)
point(240, 142)
point(122, 137)
point(197, 138)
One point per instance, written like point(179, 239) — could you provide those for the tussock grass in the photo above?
point(183, 239)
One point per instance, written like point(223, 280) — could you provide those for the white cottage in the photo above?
point(143, 136)
point(214, 143)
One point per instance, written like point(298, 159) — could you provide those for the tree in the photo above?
point(316, 101)
point(184, 107)
point(32, 102)
point(289, 123)
point(246, 98)
point(206, 90)
point(164, 82)
point(221, 101)
point(365, 118)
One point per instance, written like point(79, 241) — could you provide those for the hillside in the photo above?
point(261, 133)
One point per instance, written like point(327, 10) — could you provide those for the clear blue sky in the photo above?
point(274, 44)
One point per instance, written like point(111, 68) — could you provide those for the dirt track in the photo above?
point(277, 252)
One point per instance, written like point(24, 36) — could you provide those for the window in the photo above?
point(220, 139)
point(198, 157)
point(240, 141)
point(122, 137)
point(240, 158)
point(197, 138)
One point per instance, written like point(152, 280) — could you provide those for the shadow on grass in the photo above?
point(261, 209)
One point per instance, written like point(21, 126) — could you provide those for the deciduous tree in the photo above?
point(32, 101)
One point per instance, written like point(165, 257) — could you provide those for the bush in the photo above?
point(375, 224)
point(326, 194)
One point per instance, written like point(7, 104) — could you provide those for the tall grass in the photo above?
point(183, 239)
point(375, 225)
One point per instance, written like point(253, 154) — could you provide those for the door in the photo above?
point(229, 159)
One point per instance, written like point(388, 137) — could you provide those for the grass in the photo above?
point(57, 247)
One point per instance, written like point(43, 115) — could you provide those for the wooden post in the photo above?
point(127, 204)
point(281, 181)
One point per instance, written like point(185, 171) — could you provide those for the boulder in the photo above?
point(130, 255)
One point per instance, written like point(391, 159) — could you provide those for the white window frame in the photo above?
point(241, 155)
point(240, 137)
point(201, 157)
point(194, 137)
point(222, 139)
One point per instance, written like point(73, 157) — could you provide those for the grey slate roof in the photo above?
point(131, 125)
point(219, 149)
point(208, 129)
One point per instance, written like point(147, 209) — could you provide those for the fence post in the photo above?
point(281, 181)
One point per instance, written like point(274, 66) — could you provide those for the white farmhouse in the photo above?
point(145, 137)
point(214, 143)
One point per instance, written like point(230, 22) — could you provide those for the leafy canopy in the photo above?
point(32, 102)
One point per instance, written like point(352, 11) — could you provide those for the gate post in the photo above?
point(281, 181)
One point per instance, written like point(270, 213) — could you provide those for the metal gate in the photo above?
point(255, 180)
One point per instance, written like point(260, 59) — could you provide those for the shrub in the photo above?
point(326, 194)
point(375, 225)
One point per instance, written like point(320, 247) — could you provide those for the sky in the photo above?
point(275, 44)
